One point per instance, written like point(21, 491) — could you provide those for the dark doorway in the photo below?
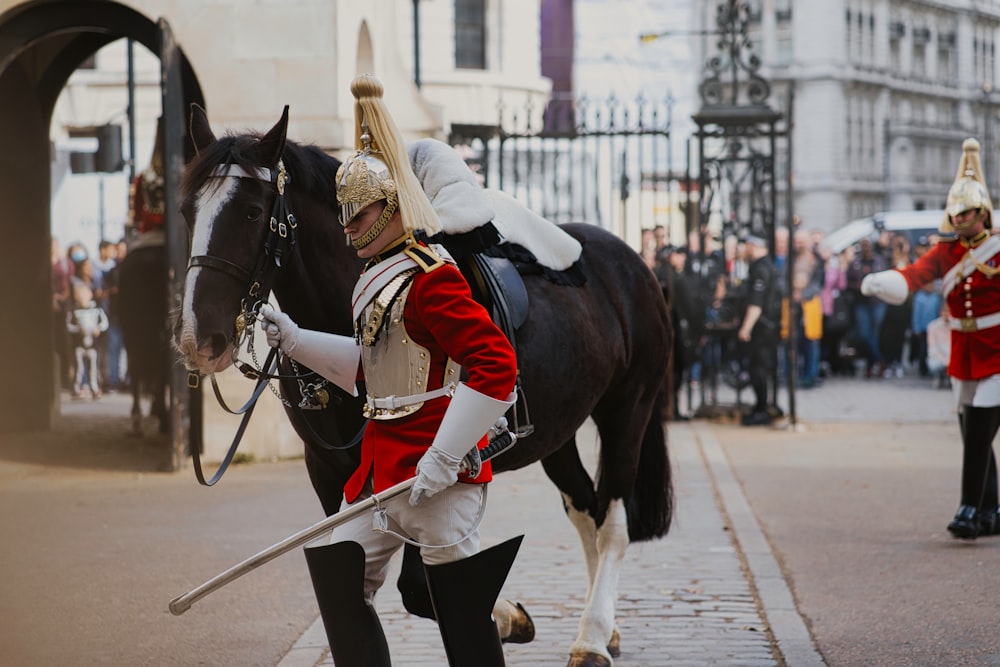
point(41, 45)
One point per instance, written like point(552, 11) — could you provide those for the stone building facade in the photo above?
point(882, 94)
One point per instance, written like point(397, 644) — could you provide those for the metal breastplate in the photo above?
point(396, 369)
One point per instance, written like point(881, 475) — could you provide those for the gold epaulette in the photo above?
point(426, 259)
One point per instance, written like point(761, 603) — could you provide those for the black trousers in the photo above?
point(761, 353)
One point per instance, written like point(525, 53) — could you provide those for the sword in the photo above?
point(501, 443)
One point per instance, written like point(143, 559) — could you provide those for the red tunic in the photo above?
point(975, 355)
point(440, 315)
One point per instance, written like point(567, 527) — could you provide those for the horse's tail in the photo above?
point(651, 505)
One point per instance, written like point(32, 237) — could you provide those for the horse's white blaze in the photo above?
point(609, 545)
point(209, 204)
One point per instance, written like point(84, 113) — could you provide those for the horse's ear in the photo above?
point(272, 144)
point(201, 132)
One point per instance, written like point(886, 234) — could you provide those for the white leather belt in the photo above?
point(397, 402)
point(969, 324)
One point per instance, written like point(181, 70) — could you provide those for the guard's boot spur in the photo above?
point(352, 626)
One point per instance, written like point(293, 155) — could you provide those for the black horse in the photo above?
point(600, 350)
point(142, 299)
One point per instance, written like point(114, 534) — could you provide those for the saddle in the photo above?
point(495, 283)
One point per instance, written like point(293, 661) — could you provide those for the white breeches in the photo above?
point(446, 517)
point(983, 393)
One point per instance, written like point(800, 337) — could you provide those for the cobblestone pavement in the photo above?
point(711, 593)
point(683, 600)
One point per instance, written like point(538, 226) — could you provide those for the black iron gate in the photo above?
point(603, 162)
point(738, 137)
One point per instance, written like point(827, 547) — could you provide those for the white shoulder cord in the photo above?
point(380, 524)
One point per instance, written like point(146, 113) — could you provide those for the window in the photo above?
point(470, 34)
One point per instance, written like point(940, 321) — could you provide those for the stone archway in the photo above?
point(41, 44)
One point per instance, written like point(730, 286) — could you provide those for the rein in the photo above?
point(279, 243)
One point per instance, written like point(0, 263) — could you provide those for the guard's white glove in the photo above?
point(333, 356)
point(466, 420)
point(436, 471)
point(889, 286)
point(280, 330)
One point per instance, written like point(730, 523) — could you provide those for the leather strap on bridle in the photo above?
point(247, 411)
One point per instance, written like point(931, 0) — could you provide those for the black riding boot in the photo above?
point(989, 521)
point(352, 626)
point(979, 426)
point(463, 593)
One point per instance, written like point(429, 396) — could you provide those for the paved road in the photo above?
point(818, 544)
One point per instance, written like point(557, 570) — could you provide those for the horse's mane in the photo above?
point(310, 169)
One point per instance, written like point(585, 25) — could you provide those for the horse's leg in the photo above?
point(634, 466)
point(603, 547)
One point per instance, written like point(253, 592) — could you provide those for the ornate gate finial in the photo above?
point(723, 84)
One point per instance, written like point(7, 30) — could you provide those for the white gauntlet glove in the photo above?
point(889, 286)
point(280, 330)
point(333, 356)
point(466, 420)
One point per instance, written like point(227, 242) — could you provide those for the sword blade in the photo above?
point(182, 603)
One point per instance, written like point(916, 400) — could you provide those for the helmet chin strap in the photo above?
point(383, 219)
point(972, 227)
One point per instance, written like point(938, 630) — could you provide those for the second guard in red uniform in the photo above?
point(967, 266)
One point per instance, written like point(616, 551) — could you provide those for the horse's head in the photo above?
point(228, 192)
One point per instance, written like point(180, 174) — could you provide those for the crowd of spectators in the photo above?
point(85, 319)
point(838, 331)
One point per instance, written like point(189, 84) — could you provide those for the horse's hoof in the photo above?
point(589, 660)
point(615, 645)
point(522, 628)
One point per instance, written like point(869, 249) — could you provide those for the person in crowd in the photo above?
point(706, 264)
point(760, 327)
point(807, 310)
point(926, 308)
point(868, 311)
point(425, 422)
point(663, 248)
point(921, 247)
point(896, 323)
point(967, 267)
point(836, 307)
point(86, 321)
point(62, 275)
point(687, 315)
point(114, 344)
point(939, 347)
point(780, 247)
point(740, 265)
point(109, 346)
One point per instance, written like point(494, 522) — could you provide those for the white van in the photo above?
point(914, 224)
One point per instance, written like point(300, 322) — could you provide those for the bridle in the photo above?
point(278, 244)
